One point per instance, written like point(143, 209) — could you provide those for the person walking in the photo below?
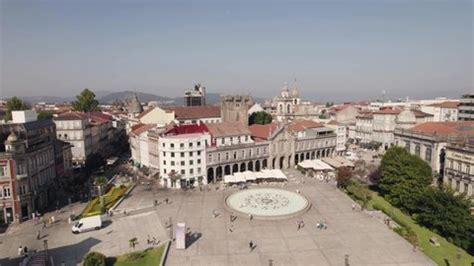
point(25, 251)
point(251, 245)
point(20, 251)
point(38, 235)
point(353, 206)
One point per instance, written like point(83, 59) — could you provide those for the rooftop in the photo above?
point(227, 129)
point(447, 104)
point(460, 128)
point(194, 112)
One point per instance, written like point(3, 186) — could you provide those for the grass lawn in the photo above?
point(445, 254)
point(110, 198)
point(148, 257)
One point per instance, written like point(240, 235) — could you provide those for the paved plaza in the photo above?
point(218, 241)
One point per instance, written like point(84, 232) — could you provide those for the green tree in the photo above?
point(260, 117)
point(404, 178)
point(344, 175)
point(94, 259)
point(14, 104)
point(86, 102)
point(448, 214)
point(45, 115)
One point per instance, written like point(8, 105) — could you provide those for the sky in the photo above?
point(336, 50)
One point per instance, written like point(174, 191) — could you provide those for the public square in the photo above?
point(218, 241)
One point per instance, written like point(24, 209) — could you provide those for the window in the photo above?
point(218, 157)
point(458, 184)
point(235, 155)
point(164, 145)
point(417, 150)
point(209, 157)
point(164, 153)
point(258, 151)
point(164, 170)
point(466, 188)
point(171, 145)
point(3, 170)
point(243, 154)
point(182, 154)
point(6, 192)
point(199, 153)
point(407, 146)
point(65, 136)
point(227, 156)
point(460, 167)
point(164, 162)
point(183, 172)
point(222, 141)
point(172, 163)
point(198, 161)
point(172, 154)
point(182, 163)
point(181, 145)
point(451, 164)
point(468, 169)
point(199, 170)
point(246, 138)
point(428, 154)
point(191, 171)
point(190, 144)
point(191, 162)
point(199, 143)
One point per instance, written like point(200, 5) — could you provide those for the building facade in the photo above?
point(466, 108)
point(459, 167)
point(28, 170)
point(445, 111)
point(428, 140)
point(195, 97)
point(234, 109)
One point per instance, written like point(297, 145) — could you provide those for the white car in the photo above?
point(87, 224)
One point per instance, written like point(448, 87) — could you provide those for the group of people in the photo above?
point(23, 251)
point(152, 241)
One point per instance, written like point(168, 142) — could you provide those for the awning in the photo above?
point(316, 165)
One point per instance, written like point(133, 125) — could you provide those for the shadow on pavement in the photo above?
point(70, 255)
point(191, 238)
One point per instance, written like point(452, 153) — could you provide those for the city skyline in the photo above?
point(337, 51)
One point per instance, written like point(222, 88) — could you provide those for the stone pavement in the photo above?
point(363, 238)
point(366, 240)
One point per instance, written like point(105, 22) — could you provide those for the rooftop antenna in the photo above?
point(383, 96)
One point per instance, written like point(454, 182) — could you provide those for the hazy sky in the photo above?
point(337, 50)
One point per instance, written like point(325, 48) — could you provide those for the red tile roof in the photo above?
point(387, 111)
point(301, 124)
point(333, 122)
point(447, 104)
point(187, 129)
point(446, 128)
point(420, 114)
point(227, 129)
point(195, 112)
point(140, 128)
point(71, 116)
point(262, 132)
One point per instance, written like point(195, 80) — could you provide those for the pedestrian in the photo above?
point(302, 224)
point(25, 251)
point(52, 220)
point(353, 206)
point(148, 240)
point(20, 251)
point(155, 242)
point(38, 235)
point(251, 245)
point(166, 200)
point(250, 217)
point(298, 224)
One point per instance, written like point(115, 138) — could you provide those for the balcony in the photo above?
point(21, 176)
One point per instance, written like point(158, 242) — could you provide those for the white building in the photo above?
point(183, 155)
point(342, 135)
point(445, 111)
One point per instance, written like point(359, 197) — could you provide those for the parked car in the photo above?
point(87, 224)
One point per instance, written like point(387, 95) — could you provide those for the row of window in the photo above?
point(464, 168)
point(181, 145)
point(183, 171)
point(464, 188)
point(183, 163)
point(182, 154)
point(235, 154)
point(232, 140)
point(428, 151)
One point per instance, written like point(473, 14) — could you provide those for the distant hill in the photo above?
point(106, 97)
point(124, 95)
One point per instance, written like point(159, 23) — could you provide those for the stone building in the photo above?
point(466, 108)
point(286, 102)
point(459, 166)
point(428, 140)
point(28, 169)
point(234, 108)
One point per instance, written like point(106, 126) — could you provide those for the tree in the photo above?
point(448, 214)
point(14, 104)
point(404, 178)
point(344, 175)
point(86, 102)
point(45, 115)
point(260, 117)
point(94, 259)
